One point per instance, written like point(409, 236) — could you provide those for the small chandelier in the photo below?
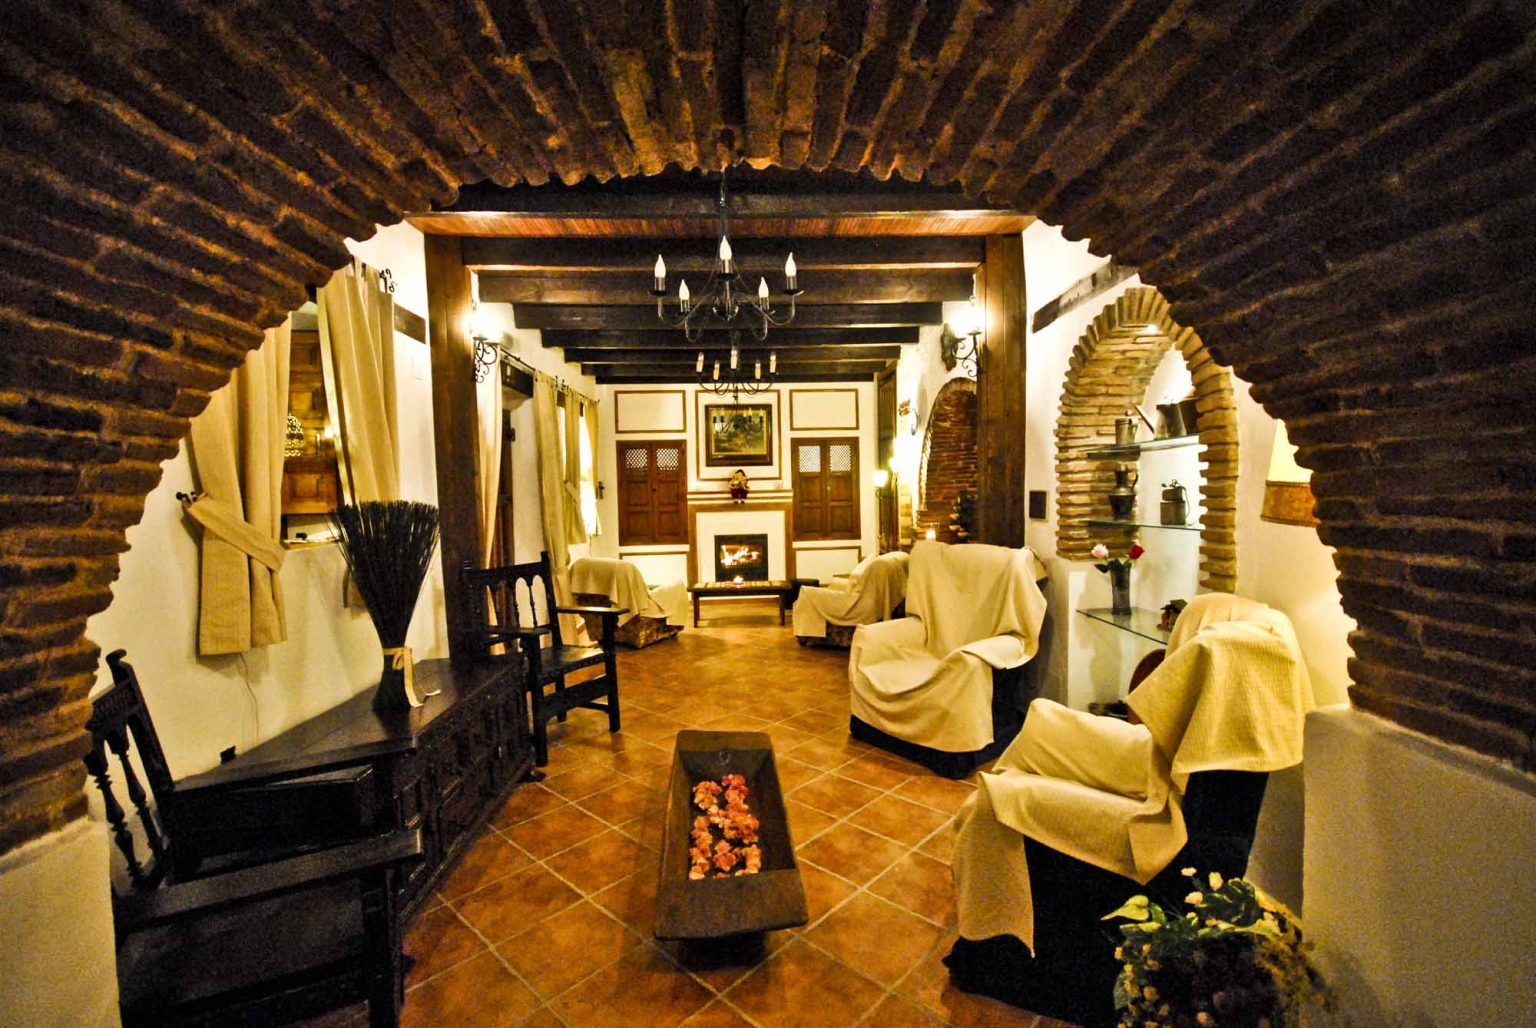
point(732, 380)
point(487, 353)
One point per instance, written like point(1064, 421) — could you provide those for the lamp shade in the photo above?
point(1288, 498)
point(882, 478)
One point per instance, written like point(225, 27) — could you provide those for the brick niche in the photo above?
point(1110, 368)
point(949, 456)
point(1335, 196)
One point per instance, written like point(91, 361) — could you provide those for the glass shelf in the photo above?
point(1131, 449)
point(1145, 623)
point(1111, 523)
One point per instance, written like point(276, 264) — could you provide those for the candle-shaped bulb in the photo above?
point(717, 371)
point(773, 363)
point(762, 290)
point(682, 293)
point(733, 358)
point(789, 270)
point(698, 369)
point(757, 369)
point(725, 253)
point(661, 268)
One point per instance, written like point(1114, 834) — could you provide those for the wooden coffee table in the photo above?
point(777, 587)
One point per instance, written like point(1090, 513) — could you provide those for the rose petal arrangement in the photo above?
point(724, 837)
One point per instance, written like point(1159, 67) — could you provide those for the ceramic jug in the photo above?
point(1122, 498)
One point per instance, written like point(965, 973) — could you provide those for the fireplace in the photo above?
point(741, 556)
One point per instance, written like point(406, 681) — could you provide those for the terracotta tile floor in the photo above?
point(547, 920)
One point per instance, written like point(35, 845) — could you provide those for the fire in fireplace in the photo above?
point(741, 556)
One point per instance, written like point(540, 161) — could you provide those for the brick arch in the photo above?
point(1110, 368)
point(1332, 200)
point(949, 456)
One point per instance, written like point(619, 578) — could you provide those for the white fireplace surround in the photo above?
point(740, 522)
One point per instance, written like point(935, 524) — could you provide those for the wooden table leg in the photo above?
point(782, 598)
point(695, 610)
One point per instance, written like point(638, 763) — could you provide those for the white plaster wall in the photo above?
point(56, 919)
point(1419, 876)
point(671, 566)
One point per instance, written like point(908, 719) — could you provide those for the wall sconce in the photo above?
point(1288, 498)
point(882, 479)
point(959, 345)
point(487, 353)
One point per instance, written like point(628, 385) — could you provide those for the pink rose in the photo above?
point(1100, 552)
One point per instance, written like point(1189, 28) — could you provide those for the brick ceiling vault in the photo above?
point(1336, 196)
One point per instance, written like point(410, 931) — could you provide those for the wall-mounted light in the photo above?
point(882, 478)
point(487, 353)
point(1288, 498)
point(960, 345)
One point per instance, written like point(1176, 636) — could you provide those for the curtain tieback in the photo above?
point(400, 660)
point(222, 520)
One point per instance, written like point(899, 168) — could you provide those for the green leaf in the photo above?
point(1134, 909)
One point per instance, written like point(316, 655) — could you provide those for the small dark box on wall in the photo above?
point(1037, 504)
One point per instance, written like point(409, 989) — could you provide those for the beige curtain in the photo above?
point(488, 476)
point(591, 422)
point(575, 528)
point(552, 496)
point(237, 455)
point(357, 340)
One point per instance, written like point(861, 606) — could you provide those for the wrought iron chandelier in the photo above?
point(724, 303)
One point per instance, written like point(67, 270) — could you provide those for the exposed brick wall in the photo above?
point(1110, 368)
point(1336, 196)
point(949, 456)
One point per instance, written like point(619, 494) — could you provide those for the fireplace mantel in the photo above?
point(720, 510)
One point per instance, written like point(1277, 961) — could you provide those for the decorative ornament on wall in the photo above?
point(739, 484)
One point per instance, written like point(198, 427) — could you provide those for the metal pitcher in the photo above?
point(1122, 498)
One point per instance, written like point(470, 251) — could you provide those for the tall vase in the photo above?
point(1120, 588)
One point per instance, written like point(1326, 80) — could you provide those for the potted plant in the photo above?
point(1233, 958)
point(1119, 571)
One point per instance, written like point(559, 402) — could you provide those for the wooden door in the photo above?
point(826, 486)
point(651, 494)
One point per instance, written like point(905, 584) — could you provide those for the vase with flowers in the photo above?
point(1232, 957)
point(1119, 571)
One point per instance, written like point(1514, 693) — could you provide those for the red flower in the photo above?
point(1135, 551)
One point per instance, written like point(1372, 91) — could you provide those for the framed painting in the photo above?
point(736, 435)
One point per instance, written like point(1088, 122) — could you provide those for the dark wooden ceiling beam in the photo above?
point(582, 355)
point(830, 315)
point(821, 288)
point(750, 196)
point(605, 374)
point(684, 371)
point(791, 336)
point(692, 256)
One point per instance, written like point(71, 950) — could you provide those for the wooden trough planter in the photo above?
point(716, 908)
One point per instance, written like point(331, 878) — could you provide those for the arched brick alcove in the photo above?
point(949, 456)
point(1329, 196)
point(1109, 370)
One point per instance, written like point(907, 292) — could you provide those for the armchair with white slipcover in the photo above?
point(942, 686)
point(1083, 812)
point(655, 612)
point(873, 591)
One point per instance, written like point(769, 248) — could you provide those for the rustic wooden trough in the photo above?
point(715, 908)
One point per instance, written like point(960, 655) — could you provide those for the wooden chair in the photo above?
point(267, 943)
point(520, 621)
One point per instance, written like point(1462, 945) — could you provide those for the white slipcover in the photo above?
point(1232, 694)
point(927, 678)
point(874, 588)
point(624, 586)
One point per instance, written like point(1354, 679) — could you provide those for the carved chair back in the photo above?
point(120, 724)
point(522, 595)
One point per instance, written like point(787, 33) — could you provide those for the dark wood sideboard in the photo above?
point(443, 767)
